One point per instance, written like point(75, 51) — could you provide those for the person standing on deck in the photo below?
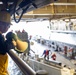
point(46, 54)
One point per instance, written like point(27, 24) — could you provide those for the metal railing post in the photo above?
point(25, 68)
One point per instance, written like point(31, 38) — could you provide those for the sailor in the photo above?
point(53, 56)
point(5, 45)
point(46, 54)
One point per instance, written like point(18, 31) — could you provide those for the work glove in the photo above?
point(13, 41)
point(9, 41)
point(11, 36)
point(5, 45)
point(9, 45)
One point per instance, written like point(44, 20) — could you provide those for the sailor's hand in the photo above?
point(11, 36)
point(9, 45)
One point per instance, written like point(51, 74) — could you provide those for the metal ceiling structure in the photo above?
point(19, 7)
point(60, 9)
point(31, 10)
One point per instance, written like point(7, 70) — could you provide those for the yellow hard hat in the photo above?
point(5, 17)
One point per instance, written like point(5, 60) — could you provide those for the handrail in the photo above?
point(25, 68)
point(32, 51)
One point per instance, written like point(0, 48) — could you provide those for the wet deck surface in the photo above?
point(39, 48)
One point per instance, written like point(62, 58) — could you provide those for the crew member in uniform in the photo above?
point(11, 42)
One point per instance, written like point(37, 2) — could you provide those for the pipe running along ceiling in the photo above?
point(39, 9)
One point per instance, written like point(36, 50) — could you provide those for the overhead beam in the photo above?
point(56, 10)
point(61, 9)
point(67, 1)
point(47, 16)
point(63, 4)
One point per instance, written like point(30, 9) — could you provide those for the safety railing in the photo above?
point(25, 68)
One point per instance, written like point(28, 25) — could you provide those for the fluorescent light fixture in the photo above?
point(67, 20)
point(1, 2)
